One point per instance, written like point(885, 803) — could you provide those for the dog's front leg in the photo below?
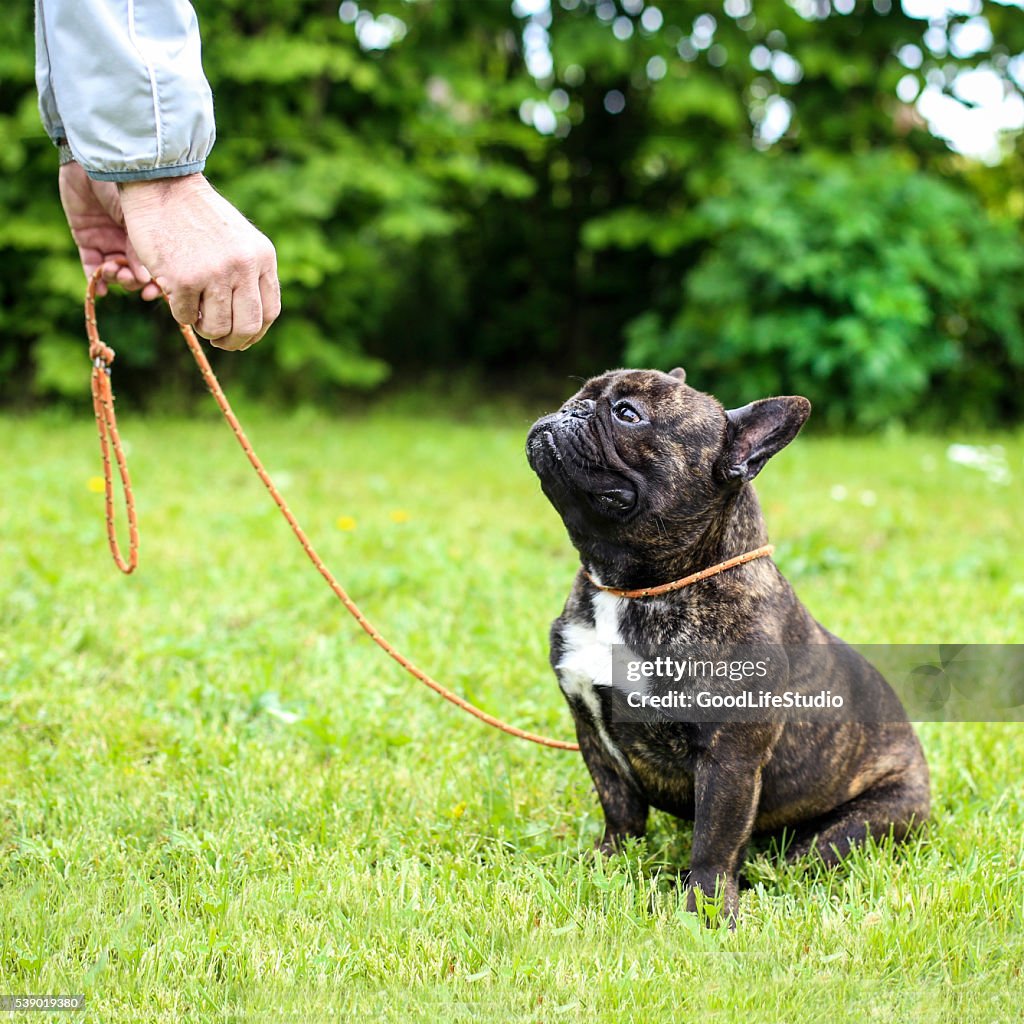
point(726, 794)
point(625, 809)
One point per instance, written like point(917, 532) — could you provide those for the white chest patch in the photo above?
point(586, 663)
point(587, 659)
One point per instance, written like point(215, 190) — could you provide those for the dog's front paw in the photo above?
point(609, 844)
point(713, 895)
point(613, 842)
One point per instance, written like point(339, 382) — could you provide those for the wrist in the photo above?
point(158, 191)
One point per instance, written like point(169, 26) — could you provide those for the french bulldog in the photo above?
point(652, 480)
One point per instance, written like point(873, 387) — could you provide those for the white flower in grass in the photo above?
point(987, 459)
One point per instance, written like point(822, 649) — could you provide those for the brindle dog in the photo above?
point(652, 480)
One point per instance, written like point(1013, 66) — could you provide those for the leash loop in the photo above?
point(106, 425)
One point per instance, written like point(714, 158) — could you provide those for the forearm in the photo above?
point(123, 84)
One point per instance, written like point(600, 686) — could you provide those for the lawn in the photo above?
point(221, 801)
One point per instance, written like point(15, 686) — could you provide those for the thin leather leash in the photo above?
point(102, 356)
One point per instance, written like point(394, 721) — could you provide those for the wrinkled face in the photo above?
point(630, 457)
point(637, 460)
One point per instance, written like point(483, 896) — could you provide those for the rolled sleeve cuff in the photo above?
point(150, 174)
point(127, 77)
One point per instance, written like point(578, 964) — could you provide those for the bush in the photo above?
point(861, 283)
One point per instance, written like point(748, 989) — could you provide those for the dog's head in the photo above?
point(637, 458)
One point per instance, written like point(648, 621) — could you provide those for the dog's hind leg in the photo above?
point(891, 807)
point(625, 810)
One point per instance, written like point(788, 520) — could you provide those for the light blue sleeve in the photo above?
point(121, 84)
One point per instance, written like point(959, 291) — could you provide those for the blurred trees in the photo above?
point(878, 288)
point(531, 191)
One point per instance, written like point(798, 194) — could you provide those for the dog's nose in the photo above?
point(582, 409)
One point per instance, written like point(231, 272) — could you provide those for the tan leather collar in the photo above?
point(696, 577)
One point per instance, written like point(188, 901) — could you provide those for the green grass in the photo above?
point(220, 800)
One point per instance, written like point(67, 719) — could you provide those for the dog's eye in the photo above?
point(626, 413)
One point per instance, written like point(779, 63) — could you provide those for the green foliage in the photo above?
point(883, 292)
point(441, 204)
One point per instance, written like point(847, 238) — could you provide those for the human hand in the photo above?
point(219, 272)
point(93, 210)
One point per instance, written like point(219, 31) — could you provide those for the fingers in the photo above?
point(270, 301)
point(213, 320)
point(232, 320)
point(219, 271)
point(132, 277)
point(246, 317)
point(113, 272)
point(184, 302)
point(238, 321)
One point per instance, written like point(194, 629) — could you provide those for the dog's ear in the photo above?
point(679, 373)
point(759, 430)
